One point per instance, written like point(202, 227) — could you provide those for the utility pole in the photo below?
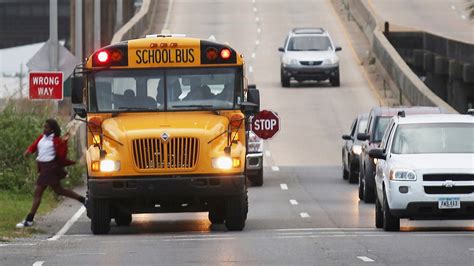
point(119, 15)
point(53, 41)
point(78, 29)
point(96, 24)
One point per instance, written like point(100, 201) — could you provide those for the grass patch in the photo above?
point(15, 207)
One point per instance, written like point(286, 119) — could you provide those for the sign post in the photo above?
point(46, 85)
point(265, 124)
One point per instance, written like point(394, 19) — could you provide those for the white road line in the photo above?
point(268, 154)
point(255, 9)
point(253, 55)
point(257, 19)
point(284, 187)
point(18, 245)
point(250, 69)
point(326, 229)
point(365, 259)
point(38, 263)
point(453, 7)
point(257, 42)
point(275, 168)
point(463, 17)
point(293, 202)
point(167, 18)
point(304, 215)
point(68, 224)
point(471, 249)
point(198, 239)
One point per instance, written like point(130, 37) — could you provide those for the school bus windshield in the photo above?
point(175, 89)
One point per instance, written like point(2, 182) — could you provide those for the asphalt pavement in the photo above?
point(305, 213)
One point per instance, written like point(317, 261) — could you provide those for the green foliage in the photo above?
point(470, 8)
point(18, 129)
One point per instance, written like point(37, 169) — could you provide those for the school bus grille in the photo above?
point(175, 153)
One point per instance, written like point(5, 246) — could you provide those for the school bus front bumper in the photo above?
point(166, 186)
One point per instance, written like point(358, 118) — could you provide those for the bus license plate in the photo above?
point(449, 203)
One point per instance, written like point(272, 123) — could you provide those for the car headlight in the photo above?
point(402, 175)
point(331, 61)
point(225, 162)
point(255, 144)
point(357, 149)
point(289, 61)
point(109, 166)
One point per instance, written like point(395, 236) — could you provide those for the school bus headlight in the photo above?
point(108, 166)
point(224, 163)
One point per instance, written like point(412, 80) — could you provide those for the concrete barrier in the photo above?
point(386, 56)
point(137, 24)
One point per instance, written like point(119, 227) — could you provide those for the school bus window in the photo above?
point(126, 90)
point(207, 88)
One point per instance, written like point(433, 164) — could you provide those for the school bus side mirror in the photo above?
point(253, 95)
point(249, 108)
point(80, 111)
point(77, 84)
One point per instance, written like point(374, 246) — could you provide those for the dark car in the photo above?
point(352, 149)
point(379, 117)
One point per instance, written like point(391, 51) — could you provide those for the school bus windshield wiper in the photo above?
point(136, 109)
point(205, 107)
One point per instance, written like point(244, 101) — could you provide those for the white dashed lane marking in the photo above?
point(284, 187)
point(275, 168)
point(38, 263)
point(304, 215)
point(365, 259)
point(268, 153)
point(293, 202)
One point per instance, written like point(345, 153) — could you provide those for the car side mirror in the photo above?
point(363, 136)
point(378, 154)
point(338, 49)
point(80, 111)
point(281, 49)
point(346, 137)
point(77, 89)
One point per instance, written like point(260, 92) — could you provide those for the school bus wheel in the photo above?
point(236, 212)
point(100, 216)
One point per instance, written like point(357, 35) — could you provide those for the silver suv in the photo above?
point(309, 54)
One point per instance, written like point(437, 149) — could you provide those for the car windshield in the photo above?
point(362, 125)
point(309, 43)
point(434, 138)
point(184, 89)
point(381, 124)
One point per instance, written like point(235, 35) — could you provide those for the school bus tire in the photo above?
point(236, 212)
point(123, 219)
point(217, 214)
point(100, 216)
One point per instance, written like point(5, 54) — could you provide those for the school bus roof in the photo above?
point(164, 51)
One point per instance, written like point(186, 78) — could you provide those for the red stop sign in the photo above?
point(265, 124)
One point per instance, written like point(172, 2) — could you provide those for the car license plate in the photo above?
point(449, 203)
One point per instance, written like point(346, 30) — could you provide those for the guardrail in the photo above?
point(386, 55)
point(137, 24)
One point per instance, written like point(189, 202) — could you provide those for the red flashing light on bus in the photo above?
point(103, 56)
point(225, 53)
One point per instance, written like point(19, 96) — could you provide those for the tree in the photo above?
point(470, 8)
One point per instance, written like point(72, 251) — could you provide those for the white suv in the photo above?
point(425, 169)
point(309, 54)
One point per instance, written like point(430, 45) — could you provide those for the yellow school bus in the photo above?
point(167, 118)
